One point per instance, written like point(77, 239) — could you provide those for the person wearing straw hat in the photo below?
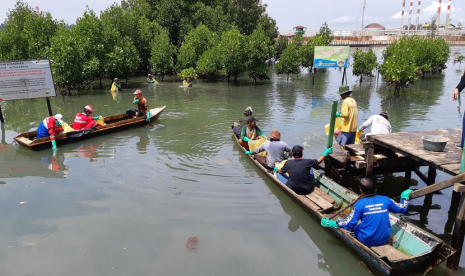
point(349, 112)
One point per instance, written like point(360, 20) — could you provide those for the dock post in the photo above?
point(369, 156)
point(457, 236)
point(408, 175)
point(431, 175)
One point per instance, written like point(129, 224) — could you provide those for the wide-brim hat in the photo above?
point(275, 134)
point(344, 89)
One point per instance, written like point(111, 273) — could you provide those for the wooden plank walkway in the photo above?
point(410, 144)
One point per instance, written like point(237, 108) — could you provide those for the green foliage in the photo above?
point(417, 55)
point(364, 63)
point(188, 73)
point(26, 35)
point(325, 34)
point(231, 50)
point(209, 64)
point(280, 45)
point(162, 54)
point(257, 52)
point(123, 60)
point(196, 43)
point(290, 61)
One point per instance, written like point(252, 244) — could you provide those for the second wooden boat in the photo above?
point(410, 249)
point(113, 123)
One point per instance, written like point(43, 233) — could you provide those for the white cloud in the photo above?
point(397, 15)
point(342, 19)
point(434, 7)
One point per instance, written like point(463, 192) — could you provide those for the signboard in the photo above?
point(331, 56)
point(26, 79)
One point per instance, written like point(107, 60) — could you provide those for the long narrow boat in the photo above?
point(410, 248)
point(113, 123)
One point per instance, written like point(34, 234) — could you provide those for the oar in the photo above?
point(348, 206)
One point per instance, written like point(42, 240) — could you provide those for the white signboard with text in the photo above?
point(26, 79)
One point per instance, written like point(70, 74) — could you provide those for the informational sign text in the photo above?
point(26, 79)
point(331, 56)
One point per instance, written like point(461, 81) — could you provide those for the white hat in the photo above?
point(59, 118)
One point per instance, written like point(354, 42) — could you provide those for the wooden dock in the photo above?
point(404, 152)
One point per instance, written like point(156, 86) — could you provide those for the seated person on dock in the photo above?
point(379, 124)
point(274, 148)
point(237, 127)
point(373, 211)
point(250, 132)
point(83, 121)
point(142, 107)
point(49, 127)
point(299, 169)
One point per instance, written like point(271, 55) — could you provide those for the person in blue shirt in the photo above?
point(373, 211)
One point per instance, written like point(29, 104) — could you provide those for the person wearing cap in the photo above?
point(142, 107)
point(300, 171)
point(457, 90)
point(275, 151)
point(250, 132)
point(237, 127)
point(50, 127)
point(151, 79)
point(349, 112)
point(116, 85)
point(372, 211)
point(379, 124)
point(84, 120)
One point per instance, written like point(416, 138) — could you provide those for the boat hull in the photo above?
point(113, 123)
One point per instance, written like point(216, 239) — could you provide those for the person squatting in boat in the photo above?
point(84, 121)
point(373, 211)
point(300, 179)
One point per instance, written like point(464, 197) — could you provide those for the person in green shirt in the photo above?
point(250, 132)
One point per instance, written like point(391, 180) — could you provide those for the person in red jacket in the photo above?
point(83, 121)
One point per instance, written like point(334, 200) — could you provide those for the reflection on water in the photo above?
point(126, 203)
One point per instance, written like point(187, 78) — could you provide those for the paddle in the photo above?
point(350, 205)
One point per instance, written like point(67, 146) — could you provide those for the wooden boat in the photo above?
point(113, 123)
point(410, 249)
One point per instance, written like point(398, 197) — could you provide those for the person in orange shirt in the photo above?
point(349, 112)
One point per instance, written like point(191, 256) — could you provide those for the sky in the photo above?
point(340, 14)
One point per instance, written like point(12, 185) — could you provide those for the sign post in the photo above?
point(26, 79)
point(331, 57)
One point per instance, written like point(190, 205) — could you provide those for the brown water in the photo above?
point(127, 203)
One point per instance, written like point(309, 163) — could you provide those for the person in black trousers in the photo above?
point(457, 90)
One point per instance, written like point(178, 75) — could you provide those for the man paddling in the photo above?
point(49, 127)
point(373, 211)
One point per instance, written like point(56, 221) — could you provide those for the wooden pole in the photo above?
point(313, 78)
point(458, 233)
point(332, 123)
point(1, 116)
point(369, 156)
point(457, 237)
point(49, 107)
point(343, 76)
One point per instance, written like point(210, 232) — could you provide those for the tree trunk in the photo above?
point(361, 78)
point(101, 86)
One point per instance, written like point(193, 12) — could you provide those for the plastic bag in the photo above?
point(357, 136)
point(67, 128)
point(337, 125)
point(253, 144)
point(101, 121)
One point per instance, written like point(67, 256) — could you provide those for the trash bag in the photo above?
point(101, 121)
point(337, 125)
point(253, 144)
point(357, 136)
point(67, 128)
point(79, 133)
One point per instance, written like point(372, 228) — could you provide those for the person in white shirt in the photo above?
point(379, 124)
